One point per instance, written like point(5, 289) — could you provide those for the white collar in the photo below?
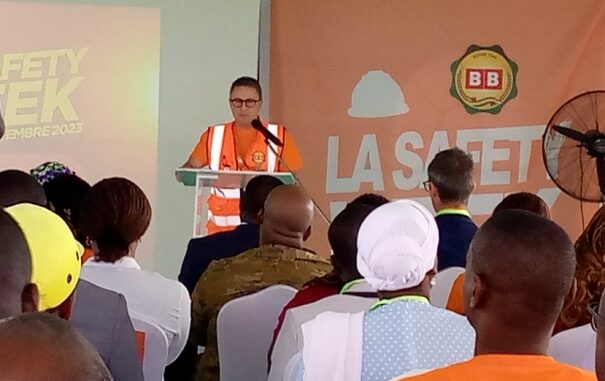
point(124, 262)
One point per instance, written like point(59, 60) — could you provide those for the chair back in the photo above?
point(152, 345)
point(444, 280)
point(244, 331)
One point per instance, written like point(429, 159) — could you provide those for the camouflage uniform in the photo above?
point(244, 274)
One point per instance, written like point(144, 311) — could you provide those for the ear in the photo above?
point(477, 296)
point(64, 310)
point(434, 193)
point(30, 298)
point(261, 216)
point(307, 233)
point(431, 277)
point(474, 186)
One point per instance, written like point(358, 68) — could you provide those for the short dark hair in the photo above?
point(114, 214)
point(451, 171)
point(247, 82)
point(67, 354)
point(525, 201)
point(342, 235)
point(17, 187)
point(253, 197)
point(371, 199)
point(65, 193)
point(528, 261)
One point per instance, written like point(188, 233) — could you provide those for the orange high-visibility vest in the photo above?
point(223, 204)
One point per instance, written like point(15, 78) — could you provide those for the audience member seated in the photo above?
point(65, 193)
point(17, 292)
point(55, 256)
point(100, 315)
point(397, 249)
point(342, 235)
point(450, 185)
point(17, 187)
point(334, 282)
point(589, 274)
point(599, 326)
point(521, 200)
point(40, 347)
point(117, 214)
point(280, 259)
point(520, 268)
point(201, 251)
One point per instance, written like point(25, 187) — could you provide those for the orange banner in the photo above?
point(373, 90)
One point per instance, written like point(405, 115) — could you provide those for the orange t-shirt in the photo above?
point(244, 140)
point(455, 301)
point(506, 368)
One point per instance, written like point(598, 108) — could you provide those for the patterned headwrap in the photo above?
point(49, 170)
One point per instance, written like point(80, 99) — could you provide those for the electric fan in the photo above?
point(573, 147)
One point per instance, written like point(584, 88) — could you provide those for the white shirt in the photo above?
point(575, 347)
point(150, 296)
point(290, 338)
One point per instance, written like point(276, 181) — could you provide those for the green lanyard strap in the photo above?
point(462, 212)
point(350, 284)
point(416, 298)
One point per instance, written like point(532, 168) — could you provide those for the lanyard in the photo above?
point(462, 212)
point(350, 284)
point(417, 298)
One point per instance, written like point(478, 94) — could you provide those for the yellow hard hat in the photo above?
point(55, 253)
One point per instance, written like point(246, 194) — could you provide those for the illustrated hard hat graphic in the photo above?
point(377, 95)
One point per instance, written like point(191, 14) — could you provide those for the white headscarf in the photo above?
point(397, 245)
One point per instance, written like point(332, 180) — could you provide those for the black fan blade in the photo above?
point(601, 174)
point(573, 134)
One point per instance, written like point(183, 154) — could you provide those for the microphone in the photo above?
point(258, 126)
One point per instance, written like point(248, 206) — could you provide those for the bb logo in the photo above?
point(484, 79)
point(258, 157)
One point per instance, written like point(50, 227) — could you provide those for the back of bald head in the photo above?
point(527, 263)
point(16, 268)
point(17, 187)
point(40, 346)
point(288, 211)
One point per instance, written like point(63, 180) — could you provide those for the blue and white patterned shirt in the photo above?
point(410, 334)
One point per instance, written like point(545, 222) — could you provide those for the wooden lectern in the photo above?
point(203, 179)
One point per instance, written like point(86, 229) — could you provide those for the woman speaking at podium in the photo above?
point(241, 145)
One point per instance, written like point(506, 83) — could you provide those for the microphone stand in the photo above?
point(283, 163)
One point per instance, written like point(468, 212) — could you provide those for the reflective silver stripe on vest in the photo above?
point(225, 192)
point(271, 157)
point(224, 220)
point(218, 133)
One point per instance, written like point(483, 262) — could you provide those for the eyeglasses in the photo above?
point(238, 102)
point(427, 185)
point(597, 320)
